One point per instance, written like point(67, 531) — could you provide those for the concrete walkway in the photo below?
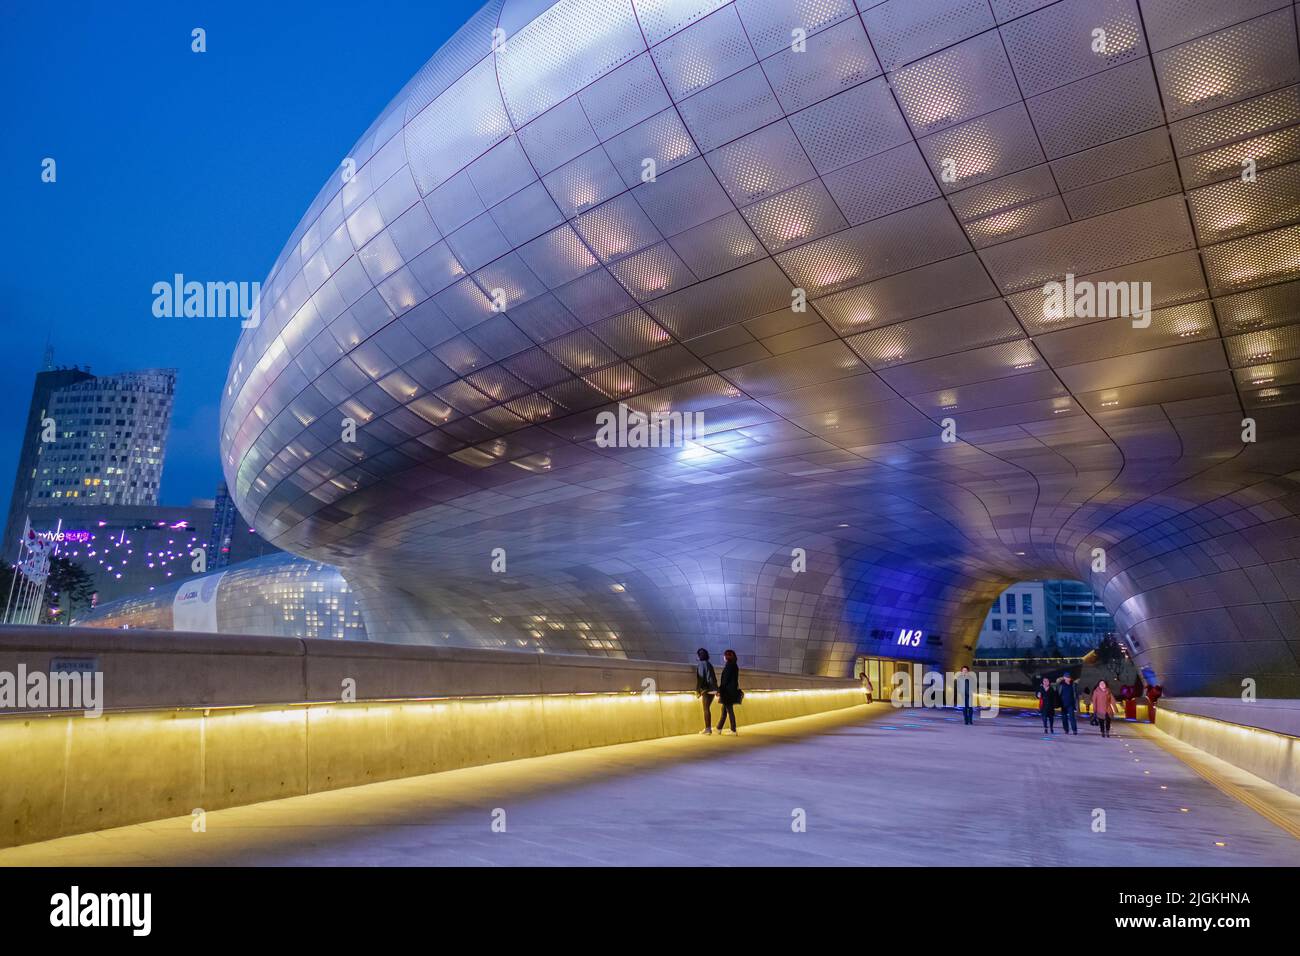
point(875, 785)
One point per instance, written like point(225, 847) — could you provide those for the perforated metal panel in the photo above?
point(769, 23)
point(1241, 61)
point(850, 126)
point(1169, 22)
point(1254, 260)
point(795, 216)
point(704, 53)
point(885, 183)
point(570, 45)
point(719, 245)
point(1235, 208)
point(985, 148)
point(834, 60)
point(966, 80)
point(1107, 106)
point(1073, 39)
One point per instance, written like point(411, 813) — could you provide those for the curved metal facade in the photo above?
point(492, 266)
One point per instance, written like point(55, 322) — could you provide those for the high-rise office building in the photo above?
point(109, 439)
point(224, 518)
point(49, 380)
point(231, 539)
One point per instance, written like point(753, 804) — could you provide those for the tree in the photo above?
point(68, 589)
point(1110, 655)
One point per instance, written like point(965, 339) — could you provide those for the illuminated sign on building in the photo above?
point(910, 638)
point(194, 608)
point(59, 537)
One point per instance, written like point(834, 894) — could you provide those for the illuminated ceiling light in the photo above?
point(1002, 223)
point(1209, 87)
point(618, 588)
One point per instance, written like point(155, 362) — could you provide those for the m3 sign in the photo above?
point(910, 638)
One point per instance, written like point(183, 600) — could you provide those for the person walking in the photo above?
point(866, 684)
point(964, 695)
point(1103, 703)
point(729, 692)
point(706, 685)
point(1047, 706)
point(1069, 697)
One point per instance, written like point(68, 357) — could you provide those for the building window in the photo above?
point(1011, 604)
point(1026, 604)
point(1011, 624)
point(997, 624)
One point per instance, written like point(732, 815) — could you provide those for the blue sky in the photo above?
point(173, 161)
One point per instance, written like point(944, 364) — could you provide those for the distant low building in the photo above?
point(1035, 615)
point(134, 549)
point(280, 595)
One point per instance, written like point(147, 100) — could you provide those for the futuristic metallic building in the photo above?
point(833, 231)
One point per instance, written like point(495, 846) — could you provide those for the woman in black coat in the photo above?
point(729, 692)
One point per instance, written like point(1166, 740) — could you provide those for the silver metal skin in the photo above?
point(492, 266)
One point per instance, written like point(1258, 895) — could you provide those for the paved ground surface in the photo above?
point(876, 786)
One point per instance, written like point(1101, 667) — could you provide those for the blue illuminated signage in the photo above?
point(910, 638)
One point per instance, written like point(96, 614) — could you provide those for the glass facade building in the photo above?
point(110, 437)
point(279, 595)
point(1040, 614)
point(48, 382)
point(835, 232)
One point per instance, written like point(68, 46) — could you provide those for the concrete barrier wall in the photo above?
point(1267, 753)
point(197, 722)
point(148, 669)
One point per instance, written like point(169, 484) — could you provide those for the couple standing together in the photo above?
point(728, 689)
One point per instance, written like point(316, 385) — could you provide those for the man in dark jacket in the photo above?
point(962, 689)
point(1069, 697)
point(706, 685)
point(1047, 706)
